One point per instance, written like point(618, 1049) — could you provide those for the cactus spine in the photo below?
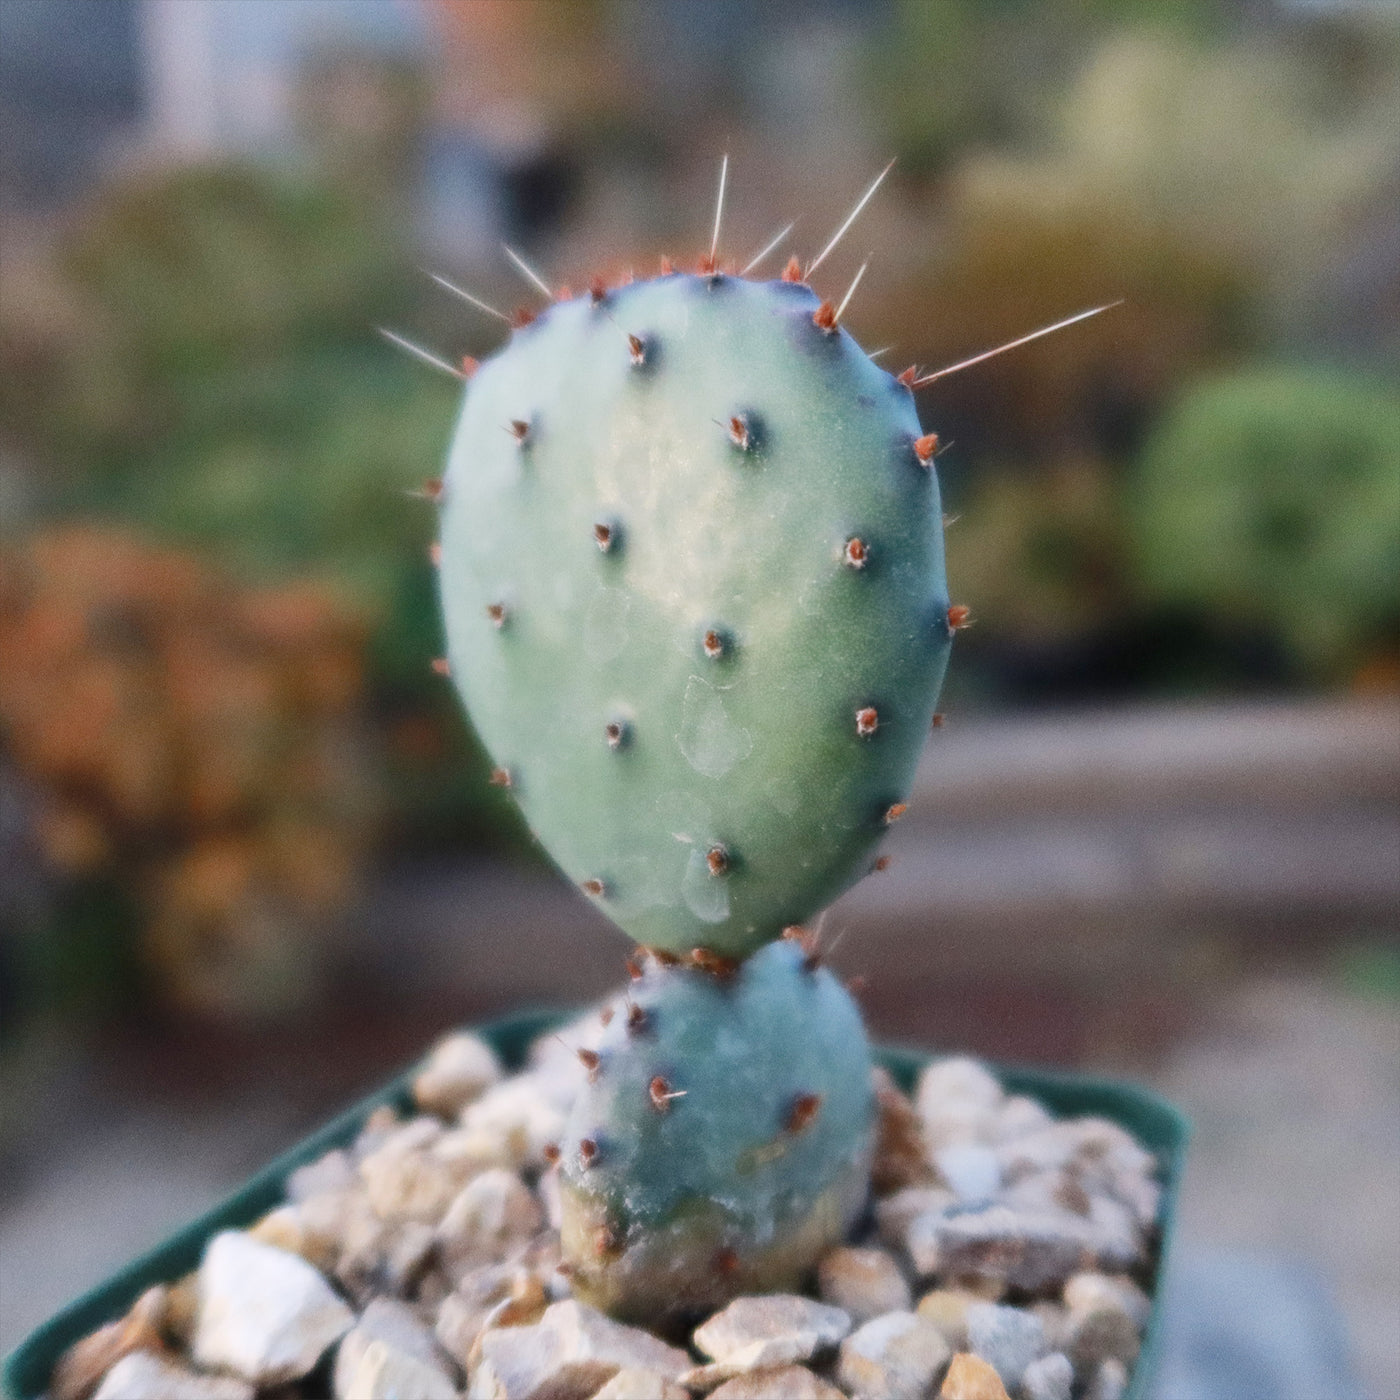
point(692, 579)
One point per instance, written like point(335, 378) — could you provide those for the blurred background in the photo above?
point(249, 860)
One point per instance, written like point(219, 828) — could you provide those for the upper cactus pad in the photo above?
point(692, 577)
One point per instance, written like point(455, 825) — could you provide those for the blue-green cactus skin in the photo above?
point(723, 1142)
point(705, 697)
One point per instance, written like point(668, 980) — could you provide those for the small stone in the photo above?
point(894, 1357)
point(1141, 1195)
point(1017, 1116)
point(181, 1310)
point(1054, 1322)
point(1109, 1382)
point(1088, 1292)
point(264, 1314)
point(895, 1214)
point(283, 1229)
point(490, 1217)
point(1031, 1251)
point(409, 1251)
point(947, 1309)
point(333, 1172)
point(1104, 1158)
point(1101, 1334)
point(469, 1151)
point(1009, 1338)
point(324, 1220)
point(383, 1372)
point(635, 1383)
point(524, 1307)
point(463, 1314)
point(404, 1181)
point(899, 1159)
point(971, 1378)
point(519, 1118)
point(396, 1325)
point(572, 1352)
point(144, 1376)
point(1049, 1378)
point(457, 1072)
point(781, 1383)
point(958, 1100)
point(863, 1283)
point(360, 1250)
point(970, 1169)
point(83, 1365)
point(381, 1122)
point(770, 1330)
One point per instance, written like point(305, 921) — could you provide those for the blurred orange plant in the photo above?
point(196, 743)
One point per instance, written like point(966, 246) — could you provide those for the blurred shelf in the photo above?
point(1081, 849)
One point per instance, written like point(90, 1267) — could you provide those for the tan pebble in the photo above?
point(381, 1122)
point(385, 1373)
point(1109, 1383)
point(947, 1308)
point(771, 1329)
point(492, 1216)
point(282, 1229)
point(407, 1253)
point(524, 1308)
point(83, 1365)
point(1101, 1334)
point(463, 1313)
point(182, 1309)
point(638, 1383)
point(780, 1383)
point(144, 1376)
point(892, 1356)
point(473, 1150)
point(1088, 1291)
point(518, 1115)
point(332, 1172)
point(971, 1378)
point(385, 1320)
point(403, 1182)
point(458, 1071)
point(1054, 1322)
point(864, 1282)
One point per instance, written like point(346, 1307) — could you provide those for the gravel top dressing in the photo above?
point(1006, 1252)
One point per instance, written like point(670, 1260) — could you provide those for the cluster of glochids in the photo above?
point(692, 578)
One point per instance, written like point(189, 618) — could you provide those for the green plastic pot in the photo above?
point(1152, 1120)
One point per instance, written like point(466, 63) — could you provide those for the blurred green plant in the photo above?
point(1272, 495)
point(215, 378)
point(1044, 551)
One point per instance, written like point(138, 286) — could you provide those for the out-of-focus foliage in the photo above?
point(1221, 181)
point(217, 381)
point(1273, 495)
point(197, 750)
point(226, 379)
point(1042, 551)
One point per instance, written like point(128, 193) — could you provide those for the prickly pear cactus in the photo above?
point(723, 1142)
point(692, 577)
